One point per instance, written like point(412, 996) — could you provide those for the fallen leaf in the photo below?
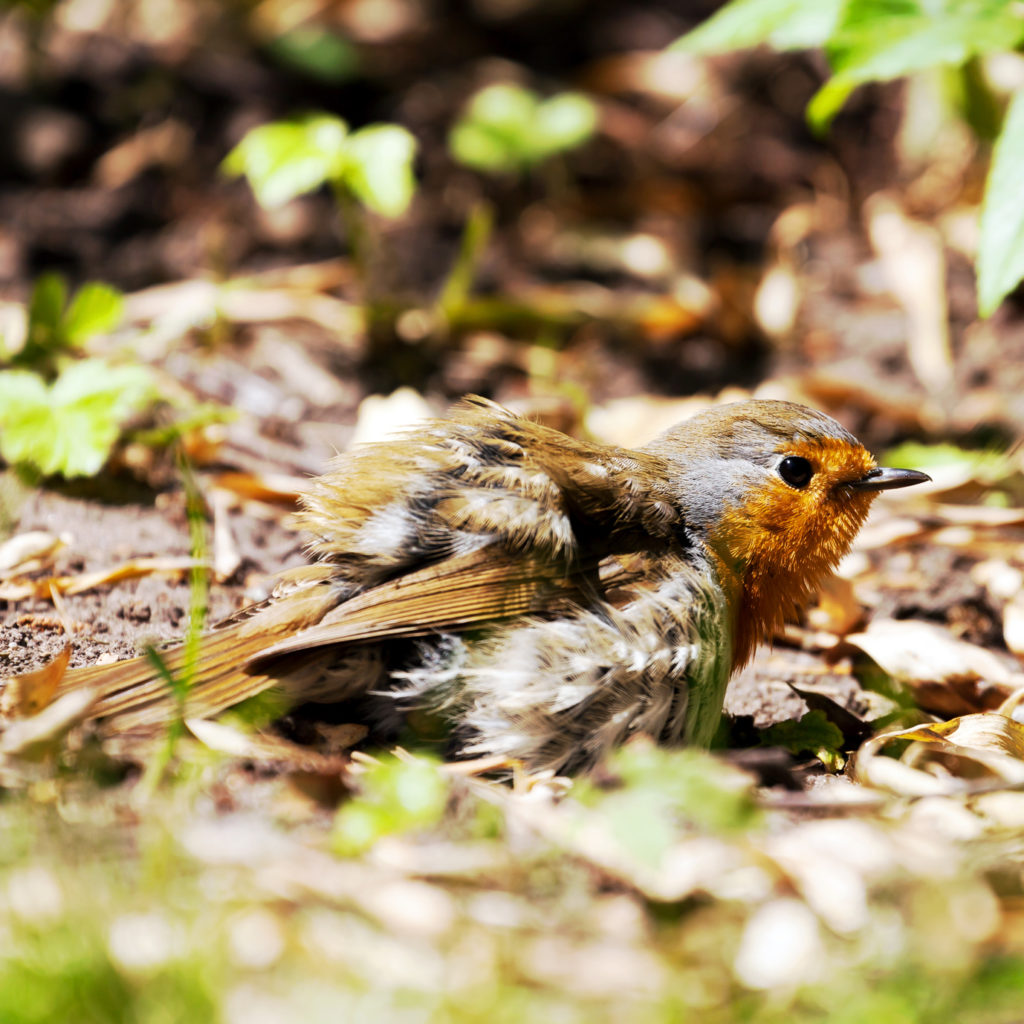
point(913, 260)
point(35, 548)
point(837, 609)
point(20, 589)
point(946, 757)
point(944, 675)
point(26, 737)
point(28, 693)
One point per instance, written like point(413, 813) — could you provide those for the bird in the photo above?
point(548, 597)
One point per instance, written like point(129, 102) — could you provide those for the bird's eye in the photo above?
point(796, 471)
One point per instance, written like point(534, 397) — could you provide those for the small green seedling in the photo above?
point(56, 325)
point(71, 425)
point(58, 414)
point(507, 129)
point(285, 159)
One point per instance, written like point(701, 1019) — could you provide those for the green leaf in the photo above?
point(675, 786)
point(285, 159)
point(507, 128)
point(480, 148)
point(878, 40)
point(810, 734)
point(563, 123)
point(95, 309)
point(378, 168)
point(71, 426)
point(984, 465)
point(782, 24)
point(1001, 247)
point(317, 52)
point(398, 797)
point(45, 310)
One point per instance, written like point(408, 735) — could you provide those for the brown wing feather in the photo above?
point(464, 591)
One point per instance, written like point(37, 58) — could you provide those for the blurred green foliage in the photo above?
point(397, 796)
point(285, 159)
point(658, 792)
point(56, 325)
point(507, 129)
point(880, 40)
point(70, 426)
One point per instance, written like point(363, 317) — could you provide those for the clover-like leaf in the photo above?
point(95, 308)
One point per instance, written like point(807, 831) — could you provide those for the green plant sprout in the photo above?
point(58, 414)
point(507, 129)
point(880, 40)
point(57, 325)
point(198, 606)
point(285, 159)
point(369, 168)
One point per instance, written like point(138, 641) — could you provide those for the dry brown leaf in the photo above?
point(913, 259)
point(272, 488)
point(28, 736)
point(837, 609)
point(31, 550)
point(946, 757)
point(20, 589)
point(945, 676)
point(28, 693)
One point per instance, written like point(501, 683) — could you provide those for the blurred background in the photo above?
point(670, 225)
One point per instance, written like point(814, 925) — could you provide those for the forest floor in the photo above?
point(689, 254)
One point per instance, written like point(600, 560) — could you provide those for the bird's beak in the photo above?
point(888, 479)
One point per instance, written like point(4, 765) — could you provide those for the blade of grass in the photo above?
point(179, 684)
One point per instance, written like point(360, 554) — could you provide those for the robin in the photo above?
point(549, 597)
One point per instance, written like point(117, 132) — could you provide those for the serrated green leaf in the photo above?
point(878, 40)
point(95, 308)
point(378, 168)
point(285, 159)
point(71, 426)
point(782, 24)
point(810, 734)
point(1001, 247)
point(317, 52)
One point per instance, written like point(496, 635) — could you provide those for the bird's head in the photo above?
point(777, 492)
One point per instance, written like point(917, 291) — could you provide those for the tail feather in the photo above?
point(133, 693)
